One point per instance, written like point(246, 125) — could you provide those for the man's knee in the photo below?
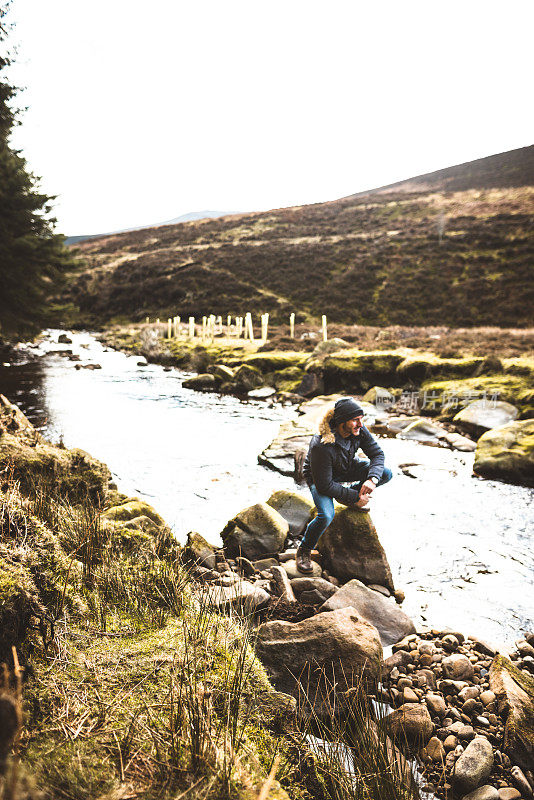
point(386, 476)
point(326, 515)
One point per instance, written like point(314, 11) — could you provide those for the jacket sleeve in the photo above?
point(321, 469)
point(374, 453)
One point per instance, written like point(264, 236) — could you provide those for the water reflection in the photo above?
point(460, 547)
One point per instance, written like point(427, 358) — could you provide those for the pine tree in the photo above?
point(33, 259)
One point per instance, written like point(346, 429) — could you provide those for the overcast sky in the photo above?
point(139, 112)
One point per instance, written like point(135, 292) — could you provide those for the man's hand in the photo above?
point(367, 489)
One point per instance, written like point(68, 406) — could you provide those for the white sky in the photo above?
point(141, 111)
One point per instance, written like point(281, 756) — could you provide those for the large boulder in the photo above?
point(255, 532)
point(331, 647)
point(480, 416)
point(515, 695)
point(295, 508)
point(351, 549)
point(507, 453)
point(474, 766)
point(382, 612)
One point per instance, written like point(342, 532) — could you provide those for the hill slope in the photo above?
point(454, 247)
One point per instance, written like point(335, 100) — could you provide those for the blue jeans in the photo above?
point(325, 504)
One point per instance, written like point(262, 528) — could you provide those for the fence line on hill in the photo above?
point(212, 326)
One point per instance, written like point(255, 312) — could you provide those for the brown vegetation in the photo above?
point(458, 254)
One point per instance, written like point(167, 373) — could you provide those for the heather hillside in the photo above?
point(451, 248)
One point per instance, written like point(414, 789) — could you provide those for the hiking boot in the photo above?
point(303, 559)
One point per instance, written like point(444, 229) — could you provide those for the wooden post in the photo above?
point(219, 325)
point(325, 334)
point(204, 324)
point(292, 325)
point(248, 326)
point(176, 327)
point(191, 327)
point(169, 328)
point(264, 327)
point(239, 326)
point(158, 332)
point(228, 324)
point(148, 320)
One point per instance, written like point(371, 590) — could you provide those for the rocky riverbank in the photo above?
point(464, 710)
point(470, 402)
point(125, 596)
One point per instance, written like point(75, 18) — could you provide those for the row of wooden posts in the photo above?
point(213, 326)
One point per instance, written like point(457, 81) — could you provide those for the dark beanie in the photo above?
point(345, 409)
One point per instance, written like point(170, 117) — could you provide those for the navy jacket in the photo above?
point(331, 461)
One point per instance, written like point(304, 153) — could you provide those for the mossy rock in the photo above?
point(274, 361)
point(198, 550)
point(297, 509)
point(507, 453)
point(452, 395)
point(205, 382)
point(515, 695)
point(418, 368)
point(222, 372)
point(247, 377)
point(73, 474)
point(255, 532)
point(132, 510)
point(18, 602)
point(289, 375)
point(356, 370)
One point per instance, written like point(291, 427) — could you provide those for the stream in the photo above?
point(460, 547)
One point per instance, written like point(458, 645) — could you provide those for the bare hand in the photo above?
point(367, 489)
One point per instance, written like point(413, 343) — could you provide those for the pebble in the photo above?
point(450, 743)
point(435, 749)
point(483, 793)
point(487, 697)
point(436, 705)
point(509, 793)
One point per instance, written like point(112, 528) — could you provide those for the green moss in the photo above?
point(132, 509)
point(274, 361)
point(507, 452)
point(419, 367)
point(513, 389)
point(356, 370)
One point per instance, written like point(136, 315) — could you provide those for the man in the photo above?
point(331, 462)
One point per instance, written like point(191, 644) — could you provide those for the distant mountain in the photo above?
point(454, 247)
point(193, 215)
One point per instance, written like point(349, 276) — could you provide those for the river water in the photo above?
point(460, 547)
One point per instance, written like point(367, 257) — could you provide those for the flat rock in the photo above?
point(390, 621)
point(514, 690)
point(474, 765)
point(293, 435)
point(292, 571)
point(243, 596)
point(261, 394)
point(326, 588)
point(480, 416)
point(295, 508)
point(351, 549)
point(336, 646)
point(256, 531)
